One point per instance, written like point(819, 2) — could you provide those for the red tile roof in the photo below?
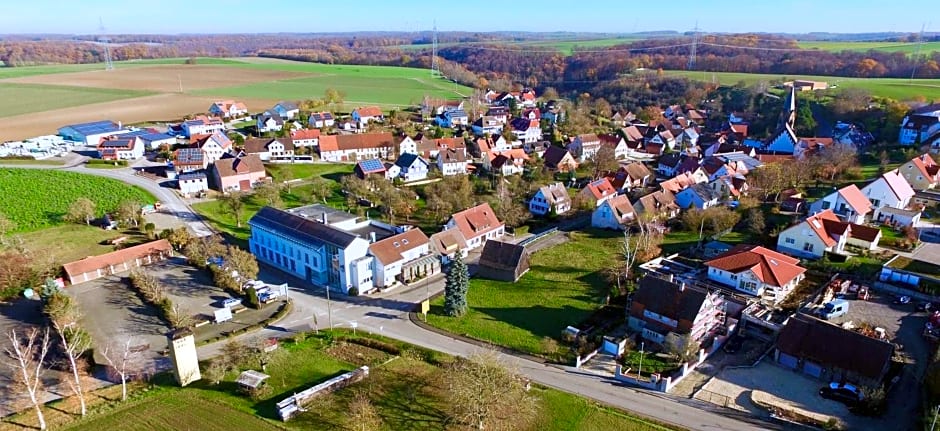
point(818, 223)
point(103, 261)
point(389, 250)
point(768, 266)
point(926, 165)
point(898, 185)
point(856, 199)
point(476, 221)
point(601, 189)
point(369, 111)
point(355, 142)
point(303, 134)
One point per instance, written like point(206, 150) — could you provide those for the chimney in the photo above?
point(372, 236)
point(120, 125)
point(323, 218)
point(669, 277)
point(682, 287)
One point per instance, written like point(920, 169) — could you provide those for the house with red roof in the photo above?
point(120, 147)
point(366, 114)
point(598, 191)
point(849, 203)
point(213, 146)
point(476, 225)
point(824, 232)
point(304, 138)
point(757, 271)
point(921, 172)
point(228, 109)
point(890, 190)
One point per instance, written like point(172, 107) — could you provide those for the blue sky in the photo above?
point(237, 16)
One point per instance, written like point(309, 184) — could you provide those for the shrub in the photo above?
point(353, 291)
point(253, 300)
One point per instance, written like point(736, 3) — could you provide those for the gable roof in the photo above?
point(303, 134)
point(199, 140)
point(588, 138)
point(820, 224)
point(451, 155)
point(704, 192)
point(632, 133)
point(768, 266)
point(476, 221)
point(94, 263)
point(555, 193)
point(301, 228)
point(855, 198)
point(670, 160)
point(503, 256)
point(287, 106)
point(669, 299)
point(554, 155)
point(600, 189)
point(926, 165)
point(408, 159)
point(621, 207)
point(610, 140)
point(260, 145)
point(448, 241)
point(637, 171)
point(370, 166)
point(831, 346)
point(188, 156)
point(898, 185)
point(369, 111)
point(250, 163)
point(355, 141)
point(389, 250)
point(678, 183)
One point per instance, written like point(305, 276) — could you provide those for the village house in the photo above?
point(350, 148)
point(622, 118)
point(890, 190)
point(116, 262)
point(269, 150)
point(452, 118)
point(531, 114)
point(682, 181)
point(511, 162)
point(660, 205)
point(918, 125)
point(152, 139)
point(192, 183)
point(487, 125)
point(189, 159)
point(369, 167)
point(213, 146)
point(731, 186)
point(90, 134)
point(202, 125)
point(430, 148)
point(498, 113)
point(638, 175)
point(431, 106)
point(237, 173)
point(503, 261)
point(412, 167)
point(667, 164)
point(525, 130)
point(403, 258)
point(228, 109)
point(664, 139)
point(615, 213)
point(550, 199)
point(700, 196)
point(326, 251)
point(849, 203)
point(824, 232)
point(120, 147)
point(809, 147)
point(452, 162)
point(305, 138)
point(286, 110)
point(757, 271)
point(447, 243)
point(921, 172)
point(269, 121)
point(597, 191)
point(831, 353)
point(367, 114)
point(783, 141)
point(664, 312)
point(477, 225)
point(558, 159)
point(584, 147)
point(320, 120)
point(616, 143)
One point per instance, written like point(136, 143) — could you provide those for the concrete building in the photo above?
point(184, 357)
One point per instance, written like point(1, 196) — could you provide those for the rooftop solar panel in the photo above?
point(95, 127)
point(371, 165)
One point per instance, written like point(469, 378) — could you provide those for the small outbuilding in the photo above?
point(251, 380)
point(503, 261)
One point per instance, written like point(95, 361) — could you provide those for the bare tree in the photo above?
point(363, 414)
point(484, 392)
point(75, 342)
point(180, 317)
point(125, 361)
point(604, 160)
point(28, 354)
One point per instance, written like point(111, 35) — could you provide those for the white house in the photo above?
point(228, 109)
point(193, 183)
point(352, 148)
point(269, 121)
point(321, 120)
point(202, 125)
point(698, 195)
point(511, 162)
point(617, 143)
point(919, 124)
point(889, 190)
point(304, 138)
point(312, 250)
point(757, 271)
point(213, 146)
point(412, 167)
point(287, 110)
point(548, 198)
point(476, 225)
point(584, 147)
point(120, 147)
point(824, 232)
point(487, 125)
point(849, 203)
point(367, 114)
point(615, 213)
point(393, 254)
point(268, 149)
point(452, 162)
point(665, 139)
point(525, 130)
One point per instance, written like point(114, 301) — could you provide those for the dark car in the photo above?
point(843, 393)
point(733, 345)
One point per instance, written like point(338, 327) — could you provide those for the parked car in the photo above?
point(842, 392)
point(231, 302)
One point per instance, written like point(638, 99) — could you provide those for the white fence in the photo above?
point(290, 406)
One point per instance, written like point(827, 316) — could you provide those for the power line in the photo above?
point(920, 43)
point(106, 41)
point(694, 43)
point(435, 68)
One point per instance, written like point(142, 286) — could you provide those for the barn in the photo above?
point(503, 261)
point(90, 133)
point(116, 262)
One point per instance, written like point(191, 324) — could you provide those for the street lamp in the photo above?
point(329, 307)
point(640, 370)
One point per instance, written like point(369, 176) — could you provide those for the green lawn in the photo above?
point(18, 72)
point(72, 242)
point(652, 363)
point(220, 218)
point(42, 98)
point(836, 46)
point(895, 88)
point(564, 286)
point(679, 240)
point(35, 199)
point(387, 86)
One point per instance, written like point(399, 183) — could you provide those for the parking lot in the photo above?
point(903, 324)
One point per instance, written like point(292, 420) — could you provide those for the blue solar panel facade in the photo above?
point(371, 165)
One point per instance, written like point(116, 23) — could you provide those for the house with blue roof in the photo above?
point(91, 133)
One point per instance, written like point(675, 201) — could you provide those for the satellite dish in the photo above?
point(28, 293)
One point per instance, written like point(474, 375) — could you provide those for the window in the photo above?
point(825, 205)
point(790, 241)
point(808, 247)
point(734, 276)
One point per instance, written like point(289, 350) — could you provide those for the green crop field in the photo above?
point(895, 88)
point(386, 86)
point(48, 97)
point(565, 46)
point(563, 286)
point(19, 72)
point(34, 199)
point(836, 46)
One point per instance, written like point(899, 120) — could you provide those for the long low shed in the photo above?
point(116, 262)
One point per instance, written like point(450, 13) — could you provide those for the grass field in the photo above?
point(836, 46)
point(73, 242)
point(895, 88)
point(48, 97)
point(34, 199)
point(563, 286)
point(17, 72)
point(565, 46)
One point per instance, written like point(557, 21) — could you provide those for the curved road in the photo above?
point(388, 316)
